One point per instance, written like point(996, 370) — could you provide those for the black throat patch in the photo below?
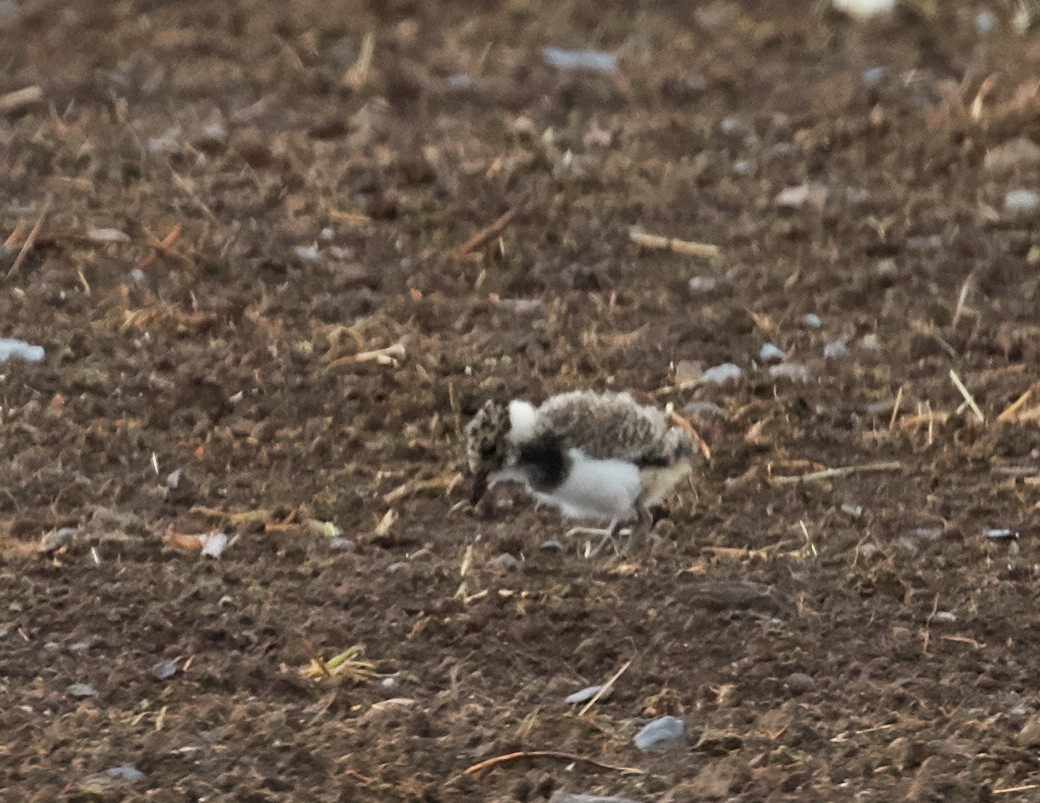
point(544, 462)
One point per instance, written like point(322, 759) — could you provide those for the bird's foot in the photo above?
point(606, 534)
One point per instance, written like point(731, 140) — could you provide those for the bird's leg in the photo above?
point(644, 522)
point(608, 535)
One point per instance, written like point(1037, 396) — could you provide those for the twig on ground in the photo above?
point(895, 408)
point(604, 688)
point(659, 242)
point(843, 471)
point(161, 247)
point(968, 398)
point(485, 234)
point(1010, 413)
point(28, 244)
point(490, 762)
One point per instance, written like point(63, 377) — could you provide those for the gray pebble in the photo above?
point(341, 545)
point(576, 797)
point(1021, 201)
point(124, 772)
point(504, 561)
point(770, 353)
point(835, 349)
point(873, 76)
point(792, 371)
point(703, 284)
point(399, 566)
point(659, 731)
point(721, 374)
point(800, 683)
point(552, 545)
point(81, 690)
point(985, 21)
point(812, 321)
point(927, 533)
point(164, 670)
point(582, 695)
point(944, 617)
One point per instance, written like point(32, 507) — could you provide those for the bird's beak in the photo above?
point(480, 485)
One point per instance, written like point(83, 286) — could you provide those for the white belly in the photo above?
point(596, 489)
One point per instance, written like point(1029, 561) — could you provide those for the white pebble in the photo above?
point(11, 349)
point(721, 374)
point(703, 284)
point(770, 353)
point(835, 349)
point(790, 370)
point(1021, 201)
point(812, 321)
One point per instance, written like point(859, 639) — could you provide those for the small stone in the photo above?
point(552, 545)
point(584, 695)
point(792, 371)
point(688, 371)
point(872, 76)
point(869, 343)
point(1020, 152)
point(125, 772)
point(702, 410)
point(81, 690)
point(852, 510)
point(1021, 201)
point(944, 618)
point(721, 374)
point(399, 566)
point(107, 236)
point(796, 197)
point(659, 732)
point(164, 670)
point(868, 550)
point(770, 353)
point(864, 9)
point(985, 22)
point(341, 545)
point(307, 253)
point(79, 646)
point(800, 683)
point(214, 544)
point(999, 533)
point(926, 533)
point(811, 321)
point(835, 349)
point(505, 562)
point(12, 349)
point(560, 796)
point(584, 60)
point(703, 284)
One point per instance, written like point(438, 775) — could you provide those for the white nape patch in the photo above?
point(596, 489)
point(522, 419)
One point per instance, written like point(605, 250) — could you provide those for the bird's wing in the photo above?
point(606, 426)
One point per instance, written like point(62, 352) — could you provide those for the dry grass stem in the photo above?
point(1011, 412)
point(605, 688)
point(843, 471)
point(490, 762)
point(968, 398)
point(28, 244)
point(659, 242)
point(487, 233)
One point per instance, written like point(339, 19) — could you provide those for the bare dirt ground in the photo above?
point(237, 231)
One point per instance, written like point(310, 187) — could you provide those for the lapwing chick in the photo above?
point(593, 456)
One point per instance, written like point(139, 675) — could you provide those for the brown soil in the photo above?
point(314, 211)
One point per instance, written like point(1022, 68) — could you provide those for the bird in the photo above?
point(592, 455)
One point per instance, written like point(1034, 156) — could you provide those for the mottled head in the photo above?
point(487, 446)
